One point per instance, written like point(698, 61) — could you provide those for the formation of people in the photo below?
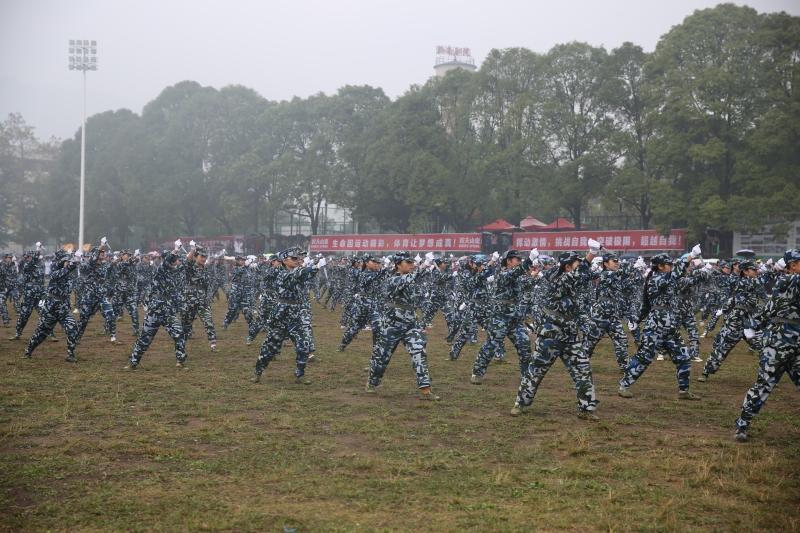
point(566, 304)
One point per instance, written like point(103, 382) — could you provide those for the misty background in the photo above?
point(285, 49)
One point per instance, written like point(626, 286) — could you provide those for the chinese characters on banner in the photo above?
point(450, 242)
point(613, 240)
point(453, 51)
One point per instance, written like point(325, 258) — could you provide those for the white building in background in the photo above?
point(764, 243)
point(450, 58)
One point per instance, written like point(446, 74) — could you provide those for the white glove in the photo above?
point(632, 326)
point(781, 264)
point(696, 251)
point(426, 263)
point(386, 262)
point(191, 243)
point(769, 261)
point(79, 253)
point(640, 264)
point(254, 265)
point(429, 257)
point(136, 253)
point(38, 245)
point(417, 259)
point(534, 254)
point(322, 262)
point(462, 307)
point(708, 267)
point(103, 241)
point(490, 279)
point(495, 256)
point(178, 244)
point(718, 313)
point(749, 333)
point(594, 246)
point(698, 262)
point(307, 261)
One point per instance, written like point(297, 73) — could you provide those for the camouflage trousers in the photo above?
point(687, 320)
point(89, 305)
point(193, 310)
point(4, 308)
point(613, 328)
point(259, 322)
point(152, 321)
point(286, 322)
point(728, 337)
point(500, 326)
point(712, 323)
point(13, 295)
point(567, 347)
point(126, 301)
point(394, 331)
point(52, 314)
point(30, 301)
point(659, 334)
point(467, 331)
point(453, 317)
point(366, 313)
point(238, 300)
point(780, 354)
point(435, 303)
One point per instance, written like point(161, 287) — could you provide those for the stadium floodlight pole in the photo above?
point(83, 57)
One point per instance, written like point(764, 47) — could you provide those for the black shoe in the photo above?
point(740, 435)
point(71, 359)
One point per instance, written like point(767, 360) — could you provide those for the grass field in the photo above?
point(90, 447)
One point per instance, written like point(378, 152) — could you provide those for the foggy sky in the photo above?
point(285, 48)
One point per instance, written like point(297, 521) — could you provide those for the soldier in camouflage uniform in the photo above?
point(162, 310)
point(32, 271)
point(399, 324)
point(439, 279)
point(196, 296)
point(724, 281)
point(685, 316)
point(505, 320)
point(559, 336)
point(473, 287)
point(94, 293)
point(349, 304)
point(606, 311)
point(267, 273)
point(367, 297)
point(144, 278)
point(8, 274)
point(286, 319)
point(56, 307)
point(780, 352)
point(740, 311)
point(125, 289)
point(239, 296)
point(660, 328)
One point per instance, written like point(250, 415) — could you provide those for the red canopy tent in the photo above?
point(499, 225)
point(559, 223)
point(531, 223)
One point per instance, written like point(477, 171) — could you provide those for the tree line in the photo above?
point(702, 133)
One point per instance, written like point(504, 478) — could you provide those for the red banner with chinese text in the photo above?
point(620, 240)
point(428, 242)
